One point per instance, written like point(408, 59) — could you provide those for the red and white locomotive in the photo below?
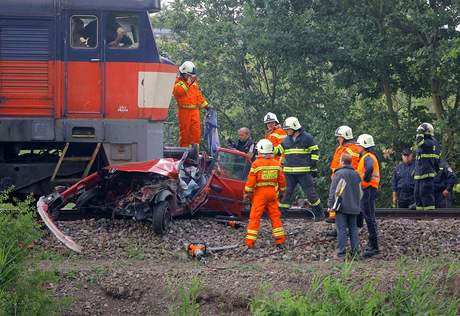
point(82, 85)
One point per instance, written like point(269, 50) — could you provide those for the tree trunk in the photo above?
point(390, 106)
point(409, 109)
point(436, 99)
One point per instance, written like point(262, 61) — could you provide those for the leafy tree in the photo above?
point(366, 64)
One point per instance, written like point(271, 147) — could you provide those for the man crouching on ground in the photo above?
point(349, 209)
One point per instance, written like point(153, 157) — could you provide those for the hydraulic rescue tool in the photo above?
point(338, 201)
point(199, 250)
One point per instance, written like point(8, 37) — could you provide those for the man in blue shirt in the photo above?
point(403, 182)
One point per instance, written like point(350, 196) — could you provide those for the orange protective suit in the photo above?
point(265, 180)
point(189, 102)
point(276, 136)
point(350, 148)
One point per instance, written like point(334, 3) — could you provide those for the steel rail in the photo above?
point(296, 213)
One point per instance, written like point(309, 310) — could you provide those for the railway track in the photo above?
point(394, 213)
point(454, 213)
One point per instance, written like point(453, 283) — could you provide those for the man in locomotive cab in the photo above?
point(78, 33)
point(117, 35)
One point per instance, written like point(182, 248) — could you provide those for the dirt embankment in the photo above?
point(127, 270)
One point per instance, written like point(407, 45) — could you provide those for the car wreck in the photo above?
point(155, 191)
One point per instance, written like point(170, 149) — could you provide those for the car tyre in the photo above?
point(162, 219)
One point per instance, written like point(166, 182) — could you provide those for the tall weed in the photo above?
point(188, 299)
point(22, 291)
point(413, 293)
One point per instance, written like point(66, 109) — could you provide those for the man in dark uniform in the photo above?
point(426, 166)
point(301, 155)
point(403, 182)
point(443, 185)
point(245, 143)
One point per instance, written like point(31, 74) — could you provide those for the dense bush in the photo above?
point(22, 290)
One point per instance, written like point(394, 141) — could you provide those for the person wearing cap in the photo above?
point(301, 155)
point(189, 102)
point(369, 170)
point(403, 182)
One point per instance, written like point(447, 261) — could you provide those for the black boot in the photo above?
point(372, 248)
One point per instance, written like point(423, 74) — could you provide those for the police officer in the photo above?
point(301, 155)
point(443, 185)
point(426, 166)
point(403, 182)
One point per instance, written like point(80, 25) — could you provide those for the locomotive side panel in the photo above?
point(27, 67)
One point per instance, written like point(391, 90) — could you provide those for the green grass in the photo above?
point(187, 299)
point(135, 252)
point(421, 288)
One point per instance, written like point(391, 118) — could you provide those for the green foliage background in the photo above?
point(22, 288)
point(380, 66)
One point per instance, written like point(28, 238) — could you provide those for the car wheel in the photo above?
point(161, 220)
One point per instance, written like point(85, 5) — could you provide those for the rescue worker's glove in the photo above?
point(314, 173)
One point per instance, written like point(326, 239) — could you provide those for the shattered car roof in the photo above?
point(165, 167)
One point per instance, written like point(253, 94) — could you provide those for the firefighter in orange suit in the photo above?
point(264, 182)
point(189, 102)
point(347, 144)
point(275, 133)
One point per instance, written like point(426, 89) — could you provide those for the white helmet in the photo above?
point(292, 123)
point(366, 140)
point(270, 117)
point(344, 131)
point(264, 146)
point(426, 128)
point(188, 68)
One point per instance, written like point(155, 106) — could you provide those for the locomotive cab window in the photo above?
point(122, 30)
point(83, 31)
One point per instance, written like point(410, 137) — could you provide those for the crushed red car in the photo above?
point(156, 190)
